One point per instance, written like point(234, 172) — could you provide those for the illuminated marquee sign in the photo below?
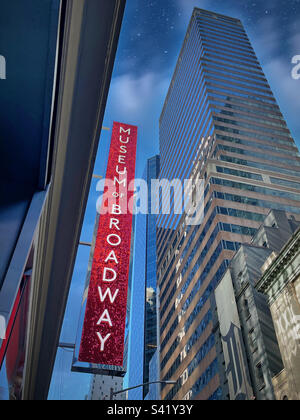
point(103, 333)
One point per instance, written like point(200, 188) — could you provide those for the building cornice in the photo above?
point(279, 265)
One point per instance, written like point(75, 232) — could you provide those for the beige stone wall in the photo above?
point(286, 314)
point(281, 386)
point(297, 287)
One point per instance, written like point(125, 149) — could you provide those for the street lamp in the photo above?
point(114, 393)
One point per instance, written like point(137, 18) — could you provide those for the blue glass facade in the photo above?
point(135, 359)
point(219, 119)
point(151, 293)
point(143, 323)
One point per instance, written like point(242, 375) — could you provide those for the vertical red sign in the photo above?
point(103, 334)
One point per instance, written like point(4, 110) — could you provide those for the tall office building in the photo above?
point(143, 325)
point(220, 123)
point(251, 350)
point(101, 387)
point(151, 326)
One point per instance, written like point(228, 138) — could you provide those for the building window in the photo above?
point(246, 309)
point(260, 375)
point(241, 279)
point(252, 340)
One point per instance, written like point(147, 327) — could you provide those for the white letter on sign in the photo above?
point(102, 340)
point(112, 298)
point(106, 269)
point(105, 317)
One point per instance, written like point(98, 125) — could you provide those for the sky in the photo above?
point(151, 39)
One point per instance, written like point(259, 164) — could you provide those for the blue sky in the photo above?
point(151, 38)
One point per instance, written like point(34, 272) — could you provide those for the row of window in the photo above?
point(241, 174)
point(212, 42)
point(175, 391)
point(263, 146)
point(216, 74)
point(221, 32)
point(258, 165)
point(233, 84)
point(188, 131)
point(217, 395)
point(183, 77)
point(263, 156)
point(234, 98)
point(255, 202)
point(201, 382)
point(236, 27)
point(201, 354)
point(241, 66)
point(221, 89)
point(237, 55)
point(247, 163)
point(187, 348)
point(228, 112)
point(191, 275)
point(254, 188)
point(262, 112)
point(285, 183)
point(197, 113)
point(229, 44)
point(170, 222)
point(218, 18)
point(166, 134)
point(186, 249)
point(252, 126)
point(200, 129)
point(223, 245)
point(242, 214)
point(206, 377)
point(231, 67)
point(244, 91)
point(184, 82)
point(208, 30)
point(209, 66)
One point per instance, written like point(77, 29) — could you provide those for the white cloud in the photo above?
point(138, 98)
point(286, 90)
point(129, 93)
point(279, 73)
point(265, 38)
point(294, 43)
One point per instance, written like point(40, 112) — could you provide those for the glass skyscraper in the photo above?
point(153, 167)
point(143, 323)
point(220, 122)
